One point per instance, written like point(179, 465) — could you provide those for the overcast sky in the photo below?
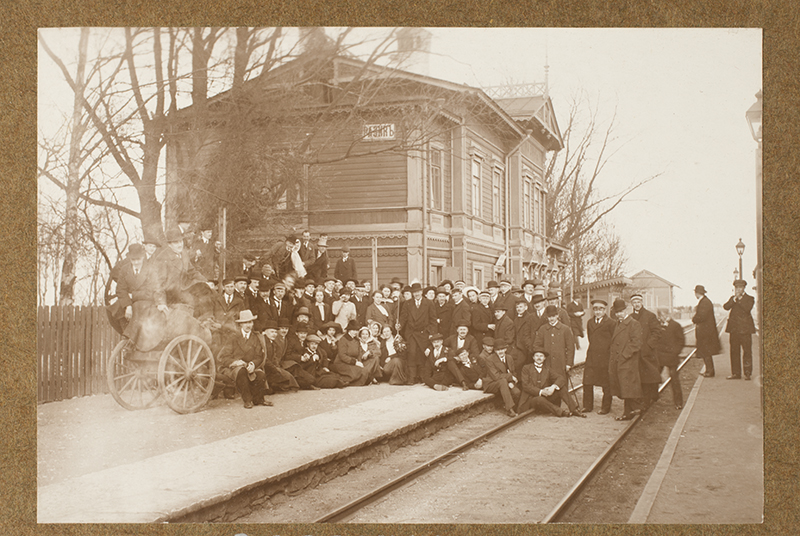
point(680, 96)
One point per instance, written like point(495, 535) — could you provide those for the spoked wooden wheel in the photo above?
point(186, 373)
point(131, 377)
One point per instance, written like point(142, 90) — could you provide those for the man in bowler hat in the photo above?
point(741, 328)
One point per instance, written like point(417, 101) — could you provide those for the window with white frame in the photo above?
point(477, 277)
point(476, 188)
point(436, 179)
point(526, 204)
point(537, 209)
point(542, 213)
point(497, 179)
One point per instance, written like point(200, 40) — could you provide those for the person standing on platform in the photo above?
point(670, 345)
point(706, 331)
point(482, 318)
point(649, 372)
point(600, 331)
point(575, 312)
point(741, 328)
point(623, 362)
point(417, 324)
point(346, 266)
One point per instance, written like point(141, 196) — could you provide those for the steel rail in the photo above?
point(589, 473)
point(348, 510)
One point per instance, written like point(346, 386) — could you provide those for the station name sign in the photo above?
point(383, 131)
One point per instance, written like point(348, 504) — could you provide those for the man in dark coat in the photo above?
point(136, 281)
point(462, 313)
point(241, 360)
point(482, 318)
point(600, 331)
point(575, 312)
point(318, 268)
point(278, 379)
point(649, 372)
point(346, 266)
point(504, 329)
point(523, 338)
point(417, 324)
point(307, 251)
point(741, 328)
point(500, 375)
point(203, 254)
point(706, 330)
point(505, 298)
point(175, 273)
point(623, 362)
point(670, 345)
point(555, 338)
point(444, 311)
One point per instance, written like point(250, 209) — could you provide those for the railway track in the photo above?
point(349, 510)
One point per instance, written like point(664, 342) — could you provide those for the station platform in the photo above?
point(173, 483)
point(712, 467)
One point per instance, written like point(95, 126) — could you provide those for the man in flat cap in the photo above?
point(741, 328)
point(706, 330)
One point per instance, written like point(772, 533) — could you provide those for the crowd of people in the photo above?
point(287, 325)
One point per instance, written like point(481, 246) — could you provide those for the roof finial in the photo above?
point(546, 73)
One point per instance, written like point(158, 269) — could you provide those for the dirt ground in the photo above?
point(611, 495)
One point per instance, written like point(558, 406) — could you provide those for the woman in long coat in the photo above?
point(357, 360)
point(623, 363)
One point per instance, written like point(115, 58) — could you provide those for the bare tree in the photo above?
point(575, 205)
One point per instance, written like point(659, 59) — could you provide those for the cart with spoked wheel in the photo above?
point(162, 355)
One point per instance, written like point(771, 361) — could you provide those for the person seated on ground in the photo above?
point(500, 377)
point(469, 369)
point(330, 341)
point(278, 379)
point(393, 357)
point(356, 362)
point(316, 362)
point(295, 348)
point(241, 361)
point(542, 387)
point(463, 339)
point(438, 370)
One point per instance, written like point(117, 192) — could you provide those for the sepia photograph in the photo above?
point(399, 275)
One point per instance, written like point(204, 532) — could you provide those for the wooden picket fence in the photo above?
point(73, 347)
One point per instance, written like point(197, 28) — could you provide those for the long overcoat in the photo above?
point(707, 337)
point(559, 342)
point(623, 364)
point(416, 327)
point(236, 347)
point(649, 371)
point(595, 370)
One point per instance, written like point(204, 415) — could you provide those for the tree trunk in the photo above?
point(68, 275)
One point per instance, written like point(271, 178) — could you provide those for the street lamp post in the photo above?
point(740, 251)
point(754, 118)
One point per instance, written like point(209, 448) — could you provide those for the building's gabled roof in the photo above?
point(535, 112)
point(647, 273)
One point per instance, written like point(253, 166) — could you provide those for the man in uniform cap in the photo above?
point(623, 361)
point(741, 328)
point(649, 371)
point(599, 330)
point(706, 330)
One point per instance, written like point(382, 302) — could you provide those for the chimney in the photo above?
point(413, 50)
